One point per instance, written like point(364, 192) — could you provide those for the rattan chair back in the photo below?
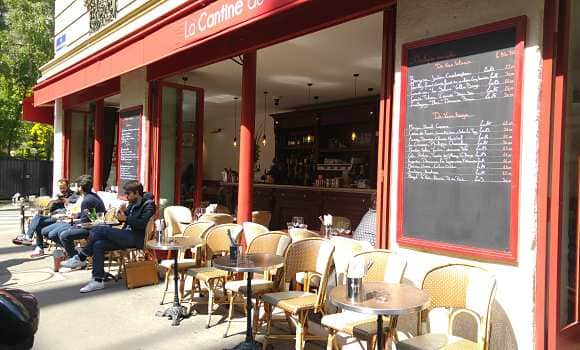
point(174, 217)
point(222, 209)
point(197, 231)
point(300, 234)
point(340, 221)
point(253, 230)
point(344, 250)
point(217, 242)
point(311, 256)
point(385, 266)
point(462, 288)
point(262, 217)
point(269, 243)
point(217, 218)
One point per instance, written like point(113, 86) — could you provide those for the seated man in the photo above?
point(38, 222)
point(366, 229)
point(90, 201)
point(104, 238)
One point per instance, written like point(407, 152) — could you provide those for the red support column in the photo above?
point(247, 123)
point(98, 161)
point(67, 136)
point(199, 116)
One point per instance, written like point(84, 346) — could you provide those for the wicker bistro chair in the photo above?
point(217, 218)
point(312, 255)
point(176, 218)
point(459, 289)
point(222, 209)
point(215, 243)
point(386, 267)
point(269, 243)
point(253, 230)
point(262, 217)
point(298, 234)
point(196, 230)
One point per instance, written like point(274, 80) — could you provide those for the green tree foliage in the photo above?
point(26, 28)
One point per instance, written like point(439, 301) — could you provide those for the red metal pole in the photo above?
point(67, 136)
point(98, 161)
point(247, 122)
point(199, 148)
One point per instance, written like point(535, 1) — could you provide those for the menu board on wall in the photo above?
point(129, 146)
point(459, 138)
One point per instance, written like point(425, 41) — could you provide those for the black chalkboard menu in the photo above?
point(459, 141)
point(128, 146)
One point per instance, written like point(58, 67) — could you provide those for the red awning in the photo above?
point(180, 29)
point(41, 114)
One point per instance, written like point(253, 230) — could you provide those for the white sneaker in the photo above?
point(37, 253)
point(92, 286)
point(65, 269)
point(74, 263)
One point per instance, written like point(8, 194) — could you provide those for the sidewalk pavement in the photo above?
point(113, 318)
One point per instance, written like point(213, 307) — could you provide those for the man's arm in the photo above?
point(140, 222)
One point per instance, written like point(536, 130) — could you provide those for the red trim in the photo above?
point(548, 55)
point(509, 256)
point(40, 114)
point(94, 93)
point(97, 161)
point(139, 133)
point(247, 126)
point(385, 119)
point(66, 143)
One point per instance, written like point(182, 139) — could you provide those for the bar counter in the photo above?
point(286, 201)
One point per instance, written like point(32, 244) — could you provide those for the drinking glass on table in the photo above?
point(297, 221)
point(346, 227)
point(198, 213)
point(100, 218)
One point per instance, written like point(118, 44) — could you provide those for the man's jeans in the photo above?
point(37, 223)
point(103, 239)
point(51, 232)
point(67, 239)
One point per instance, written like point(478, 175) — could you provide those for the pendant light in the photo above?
point(353, 135)
point(264, 141)
point(235, 143)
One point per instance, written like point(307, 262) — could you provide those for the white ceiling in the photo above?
point(327, 59)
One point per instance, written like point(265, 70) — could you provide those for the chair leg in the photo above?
point(331, 343)
point(371, 342)
point(300, 331)
point(268, 314)
point(166, 286)
point(231, 297)
point(210, 302)
point(256, 316)
point(193, 285)
point(182, 285)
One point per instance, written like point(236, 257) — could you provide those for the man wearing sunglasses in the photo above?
point(103, 238)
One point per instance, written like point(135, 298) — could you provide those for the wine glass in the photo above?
point(198, 213)
point(346, 228)
point(297, 221)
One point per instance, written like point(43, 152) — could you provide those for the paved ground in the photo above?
point(114, 318)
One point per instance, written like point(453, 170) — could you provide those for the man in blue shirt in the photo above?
point(38, 222)
point(103, 238)
point(90, 201)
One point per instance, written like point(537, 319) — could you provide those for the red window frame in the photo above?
point(509, 256)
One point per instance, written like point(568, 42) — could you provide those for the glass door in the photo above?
point(179, 156)
point(564, 260)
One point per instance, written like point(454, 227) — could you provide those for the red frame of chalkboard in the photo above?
point(139, 108)
point(511, 255)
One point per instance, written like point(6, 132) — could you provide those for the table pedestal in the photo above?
point(175, 312)
point(249, 343)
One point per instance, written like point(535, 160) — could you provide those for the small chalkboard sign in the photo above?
point(459, 141)
point(129, 146)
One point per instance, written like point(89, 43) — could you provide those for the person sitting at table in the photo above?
point(366, 229)
point(103, 238)
point(90, 201)
point(56, 204)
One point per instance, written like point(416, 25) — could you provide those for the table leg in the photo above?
point(176, 312)
point(249, 344)
point(380, 333)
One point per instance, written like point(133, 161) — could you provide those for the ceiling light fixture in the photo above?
point(235, 143)
point(264, 141)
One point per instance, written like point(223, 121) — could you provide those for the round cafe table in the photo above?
point(383, 299)
point(175, 312)
point(249, 263)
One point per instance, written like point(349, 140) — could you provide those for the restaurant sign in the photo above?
point(223, 14)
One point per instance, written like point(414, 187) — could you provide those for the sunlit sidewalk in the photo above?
point(114, 318)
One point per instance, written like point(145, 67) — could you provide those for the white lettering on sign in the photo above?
point(209, 19)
